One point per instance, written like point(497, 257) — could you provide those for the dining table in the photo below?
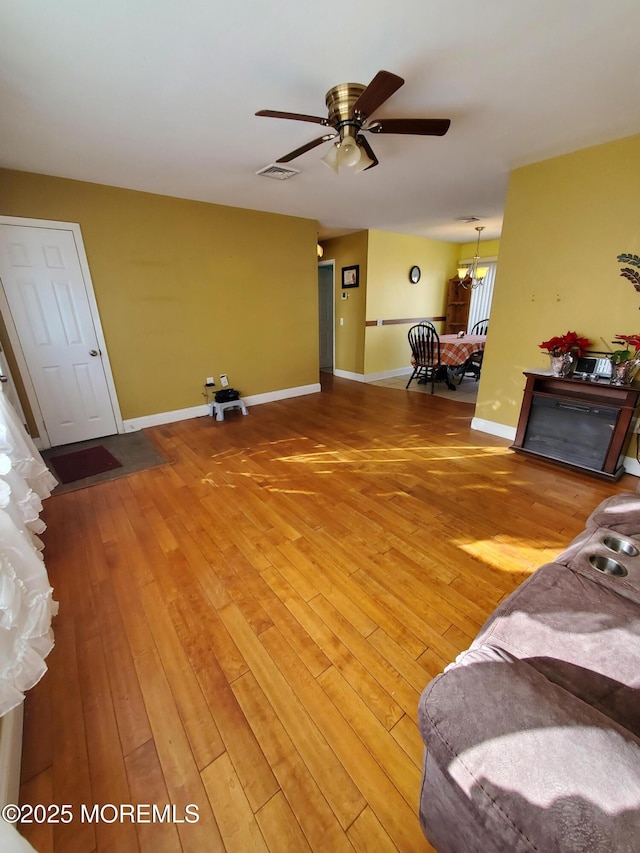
point(454, 352)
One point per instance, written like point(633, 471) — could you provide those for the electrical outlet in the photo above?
point(223, 380)
point(636, 425)
point(210, 381)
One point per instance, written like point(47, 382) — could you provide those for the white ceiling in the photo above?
point(160, 95)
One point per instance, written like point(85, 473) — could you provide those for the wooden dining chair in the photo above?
point(480, 328)
point(425, 352)
point(473, 365)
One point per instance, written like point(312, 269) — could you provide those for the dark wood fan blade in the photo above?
point(383, 85)
point(418, 126)
point(294, 116)
point(304, 148)
point(369, 151)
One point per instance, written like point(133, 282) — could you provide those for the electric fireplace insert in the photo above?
point(584, 425)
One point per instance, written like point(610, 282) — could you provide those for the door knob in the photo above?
point(93, 352)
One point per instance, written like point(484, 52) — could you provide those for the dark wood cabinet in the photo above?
point(458, 300)
point(583, 425)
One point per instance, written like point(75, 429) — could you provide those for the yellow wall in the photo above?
point(187, 289)
point(182, 286)
point(349, 340)
point(391, 296)
point(566, 220)
point(488, 249)
point(386, 293)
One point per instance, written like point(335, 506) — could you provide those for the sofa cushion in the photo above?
point(620, 512)
point(515, 763)
point(611, 550)
point(579, 634)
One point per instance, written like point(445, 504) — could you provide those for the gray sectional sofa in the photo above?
point(532, 736)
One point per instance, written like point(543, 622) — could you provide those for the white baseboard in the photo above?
point(493, 428)
point(631, 465)
point(10, 754)
point(135, 424)
point(346, 374)
point(283, 394)
point(373, 377)
point(387, 374)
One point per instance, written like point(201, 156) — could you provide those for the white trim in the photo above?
point(14, 338)
point(160, 418)
point(345, 374)
point(282, 394)
point(10, 754)
point(387, 374)
point(501, 430)
point(631, 466)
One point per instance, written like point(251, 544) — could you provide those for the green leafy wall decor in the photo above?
point(627, 271)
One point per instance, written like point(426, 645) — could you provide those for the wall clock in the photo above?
point(414, 275)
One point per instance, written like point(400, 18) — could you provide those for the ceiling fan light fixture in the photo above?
point(330, 159)
point(350, 109)
point(349, 152)
point(364, 162)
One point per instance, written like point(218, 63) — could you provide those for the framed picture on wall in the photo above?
point(351, 276)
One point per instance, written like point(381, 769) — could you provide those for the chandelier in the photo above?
point(472, 277)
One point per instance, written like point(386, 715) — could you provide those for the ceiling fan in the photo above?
point(350, 107)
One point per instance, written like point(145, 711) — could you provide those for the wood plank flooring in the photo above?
point(247, 630)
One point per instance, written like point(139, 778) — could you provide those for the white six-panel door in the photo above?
point(46, 293)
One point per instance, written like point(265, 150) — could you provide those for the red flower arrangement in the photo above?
point(625, 354)
point(569, 342)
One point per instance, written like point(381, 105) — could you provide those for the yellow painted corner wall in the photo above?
point(566, 221)
point(487, 249)
point(391, 295)
point(347, 251)
point(187, 289)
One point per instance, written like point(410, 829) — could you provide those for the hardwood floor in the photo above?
point(249, 628)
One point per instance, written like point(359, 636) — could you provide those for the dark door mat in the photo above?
point(132, 452)
point(80, 464)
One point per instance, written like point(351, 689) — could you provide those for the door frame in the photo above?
point(332, 264)
point(44, 442)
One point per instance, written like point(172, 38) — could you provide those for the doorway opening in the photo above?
point(326, 316)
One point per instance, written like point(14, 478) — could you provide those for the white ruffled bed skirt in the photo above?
point(26, 597)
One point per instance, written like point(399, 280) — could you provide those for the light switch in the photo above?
point(342, 321)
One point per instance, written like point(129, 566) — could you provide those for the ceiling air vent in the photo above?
point(468, 219)
point(280, 173)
